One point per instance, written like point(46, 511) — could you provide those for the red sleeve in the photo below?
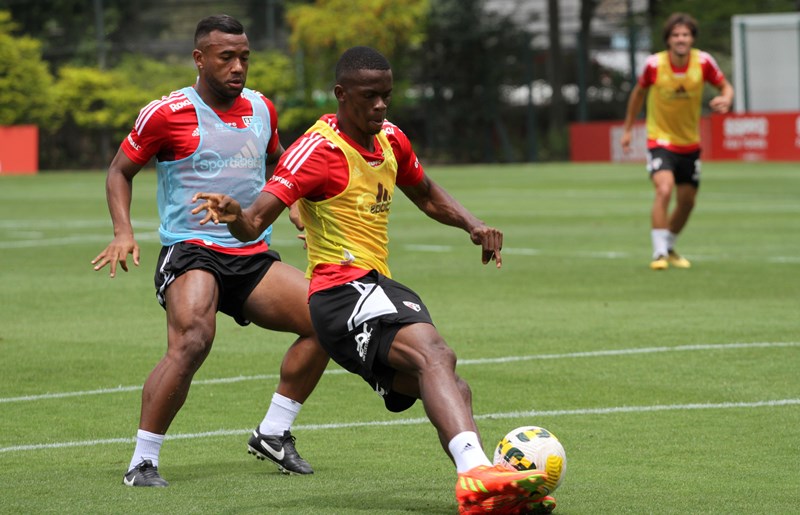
point(409, 169)
point(142, 144)
point(648, 76)
point(304, 170)
point(711, 70)
point(312, 168)
point(274, 139)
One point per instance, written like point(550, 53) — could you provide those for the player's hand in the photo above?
point(720, 104)
point(219, 208)
point(294, 217)
point(625, 141)
point(491, 242)
point(117, 252)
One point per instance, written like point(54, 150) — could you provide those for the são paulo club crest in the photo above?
point(255, 123)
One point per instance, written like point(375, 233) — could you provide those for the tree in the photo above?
point(558, 113)
point(25, 82)
point(69, 28)
point(467, 59)
point(272, 73)
point(100, 106)
point(323, 30)
point(713, 18)
point(584, 37)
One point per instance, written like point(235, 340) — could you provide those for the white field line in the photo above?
point(601, 254)
point(416, 421)
point(20, 238)
point(136, 388)
point(462, 362)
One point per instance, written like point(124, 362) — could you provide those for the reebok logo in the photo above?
point(382, 201)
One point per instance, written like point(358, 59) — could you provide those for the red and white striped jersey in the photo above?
point(167, 128)
point(314, 169)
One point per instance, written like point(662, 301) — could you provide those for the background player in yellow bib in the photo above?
point(672, 82)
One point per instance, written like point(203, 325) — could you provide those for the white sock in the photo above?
point(671, 237)
point(148, 447)
point(466, 450)
point(659, 238)
point(280, 415)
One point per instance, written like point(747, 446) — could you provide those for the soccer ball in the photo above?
point(533, 447)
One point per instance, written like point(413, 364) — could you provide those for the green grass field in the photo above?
point(672, 392)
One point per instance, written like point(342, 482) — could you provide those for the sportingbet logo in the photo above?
point(208, 164)
point(382, 201)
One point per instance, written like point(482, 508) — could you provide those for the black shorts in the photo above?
point(684, 167)
point(356, 324)
point(237, 276)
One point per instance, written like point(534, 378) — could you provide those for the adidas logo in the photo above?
point(382, 201)
point(680, 92)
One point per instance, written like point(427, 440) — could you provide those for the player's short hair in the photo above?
point(360, 58)
point(220, 22)
point(679, 19)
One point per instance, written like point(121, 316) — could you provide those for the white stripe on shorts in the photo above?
point(373, 303)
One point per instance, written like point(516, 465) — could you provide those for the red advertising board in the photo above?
point(19, 149)
point(745, 137)
point(756, 137)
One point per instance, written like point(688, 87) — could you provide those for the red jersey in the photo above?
point(167, 129)
point(711, 70)
point(315, 169)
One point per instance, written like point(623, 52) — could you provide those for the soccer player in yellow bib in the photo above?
point(672, 82)
point(343, 174)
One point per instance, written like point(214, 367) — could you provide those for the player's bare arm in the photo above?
point(244, 224)
point(722, 102)
point(119, 191)
point(635, 104)
point(438, 204)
